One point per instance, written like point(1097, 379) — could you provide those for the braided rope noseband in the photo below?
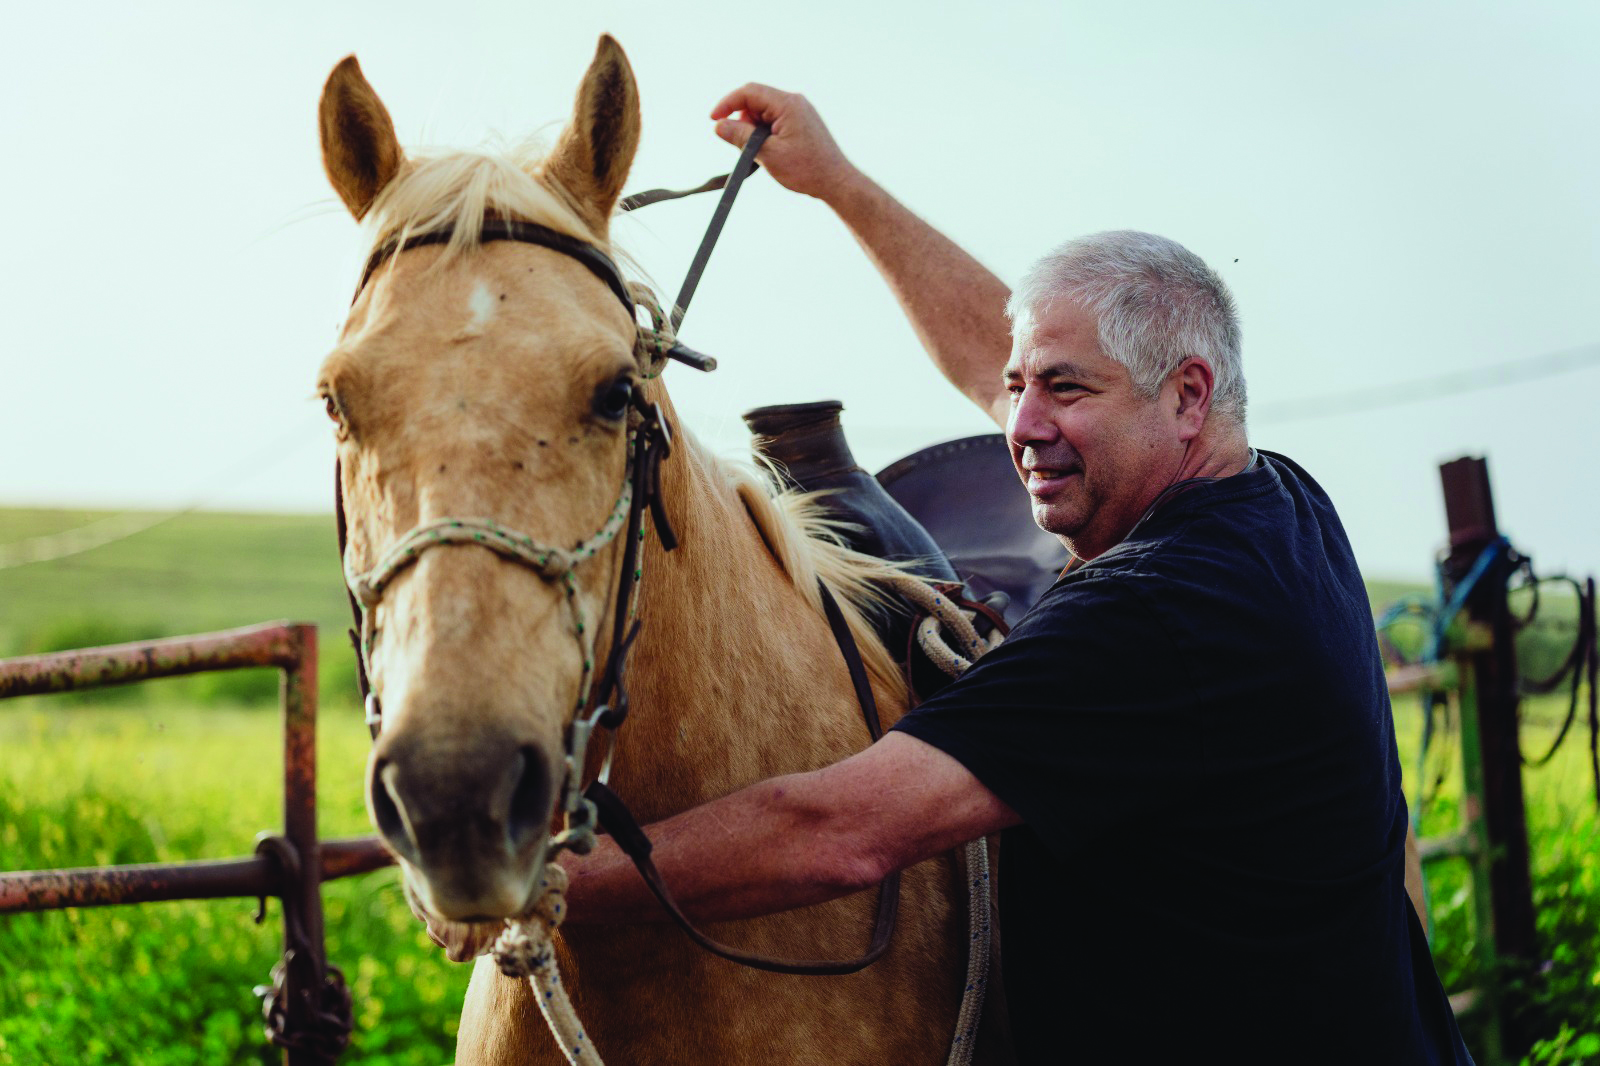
point(553, 564)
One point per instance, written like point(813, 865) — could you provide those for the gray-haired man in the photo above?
point(1187, 741)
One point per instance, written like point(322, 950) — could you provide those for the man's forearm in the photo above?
point(767, 849)
point(796, 840)
point(955, 304)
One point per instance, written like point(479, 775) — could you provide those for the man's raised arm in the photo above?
point(954, 303)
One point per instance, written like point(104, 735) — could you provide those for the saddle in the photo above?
point(999, 562)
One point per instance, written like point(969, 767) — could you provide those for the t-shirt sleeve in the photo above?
point(1081, 722)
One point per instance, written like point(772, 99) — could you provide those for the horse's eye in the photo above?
point(612, 402)
point(333, 408)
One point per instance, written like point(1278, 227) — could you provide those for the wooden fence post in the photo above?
point(1469, 513)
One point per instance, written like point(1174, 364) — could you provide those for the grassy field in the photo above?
point(187, 769)
point(170, 982)
point(197, 572)
point(190, 769)
point(1560, 998)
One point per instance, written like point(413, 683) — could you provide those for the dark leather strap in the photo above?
point(652, 444)
point(637, 200)
point(852, 658)
point(741, 170)
point(631, 838)
point(362, 684)
point(512, 229)
point(622, 826)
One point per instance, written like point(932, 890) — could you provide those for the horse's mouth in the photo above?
point(463, 940)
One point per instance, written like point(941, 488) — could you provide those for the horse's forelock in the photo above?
point(457, 190)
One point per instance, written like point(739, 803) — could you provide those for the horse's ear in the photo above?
point(591, 160)
point(359, 149)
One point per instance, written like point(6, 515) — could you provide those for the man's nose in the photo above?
point(1030, 423)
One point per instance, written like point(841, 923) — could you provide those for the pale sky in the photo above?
point(1393, 190)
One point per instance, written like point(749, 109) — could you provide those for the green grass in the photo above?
point(196, 573)
point(170, 982)
point(191, 768)
point(1384, 591)
point(1561, 993)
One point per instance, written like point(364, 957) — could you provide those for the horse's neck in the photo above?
point(734, 677)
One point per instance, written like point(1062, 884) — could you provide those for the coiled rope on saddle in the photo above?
point(944, 616)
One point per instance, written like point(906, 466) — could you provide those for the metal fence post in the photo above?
point(305, 958)
point(1488, 993)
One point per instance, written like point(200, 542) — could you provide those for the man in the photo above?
point(1187, 742)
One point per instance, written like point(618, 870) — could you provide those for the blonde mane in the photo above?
point(457, 190)
point(807, 544)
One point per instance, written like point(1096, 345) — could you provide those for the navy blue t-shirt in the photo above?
point(1195, 730)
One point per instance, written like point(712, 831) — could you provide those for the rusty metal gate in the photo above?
point(308, 1008)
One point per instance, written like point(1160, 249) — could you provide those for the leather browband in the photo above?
point(512, 229)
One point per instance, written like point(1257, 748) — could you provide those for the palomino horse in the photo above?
point(492, 380)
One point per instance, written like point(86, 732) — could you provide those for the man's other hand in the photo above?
point(801, 155)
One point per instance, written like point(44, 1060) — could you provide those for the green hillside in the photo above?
point(180, 770)
point(195, 572)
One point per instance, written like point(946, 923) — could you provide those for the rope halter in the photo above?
point(553, 564)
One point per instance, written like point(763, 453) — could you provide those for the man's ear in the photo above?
point(359, 149)
point(591, 160)
point(1191, 383)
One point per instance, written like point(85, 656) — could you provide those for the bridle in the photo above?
point(603, 706)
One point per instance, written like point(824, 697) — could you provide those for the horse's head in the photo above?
point(484, 382)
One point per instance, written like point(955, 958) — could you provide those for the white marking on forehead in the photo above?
point(481, 305)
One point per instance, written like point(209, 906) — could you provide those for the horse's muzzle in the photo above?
point(470, 819)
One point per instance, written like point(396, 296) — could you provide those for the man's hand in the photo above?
point(956, 306)
point(801, 155)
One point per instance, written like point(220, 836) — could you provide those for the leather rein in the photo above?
point(604, 706)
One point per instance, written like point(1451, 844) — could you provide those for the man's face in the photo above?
point(1092, 452)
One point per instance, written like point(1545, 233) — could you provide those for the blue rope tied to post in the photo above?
point(1439, 614)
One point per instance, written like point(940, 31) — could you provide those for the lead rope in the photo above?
point(526, 949)
point(975, 855)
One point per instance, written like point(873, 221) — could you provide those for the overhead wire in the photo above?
point(1432, 387)
point(121, 526)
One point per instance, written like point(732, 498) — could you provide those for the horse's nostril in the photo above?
point(386, 813)
point(530, 799)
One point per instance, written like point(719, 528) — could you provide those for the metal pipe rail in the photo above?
point(106, 886)
point(308, 1013)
